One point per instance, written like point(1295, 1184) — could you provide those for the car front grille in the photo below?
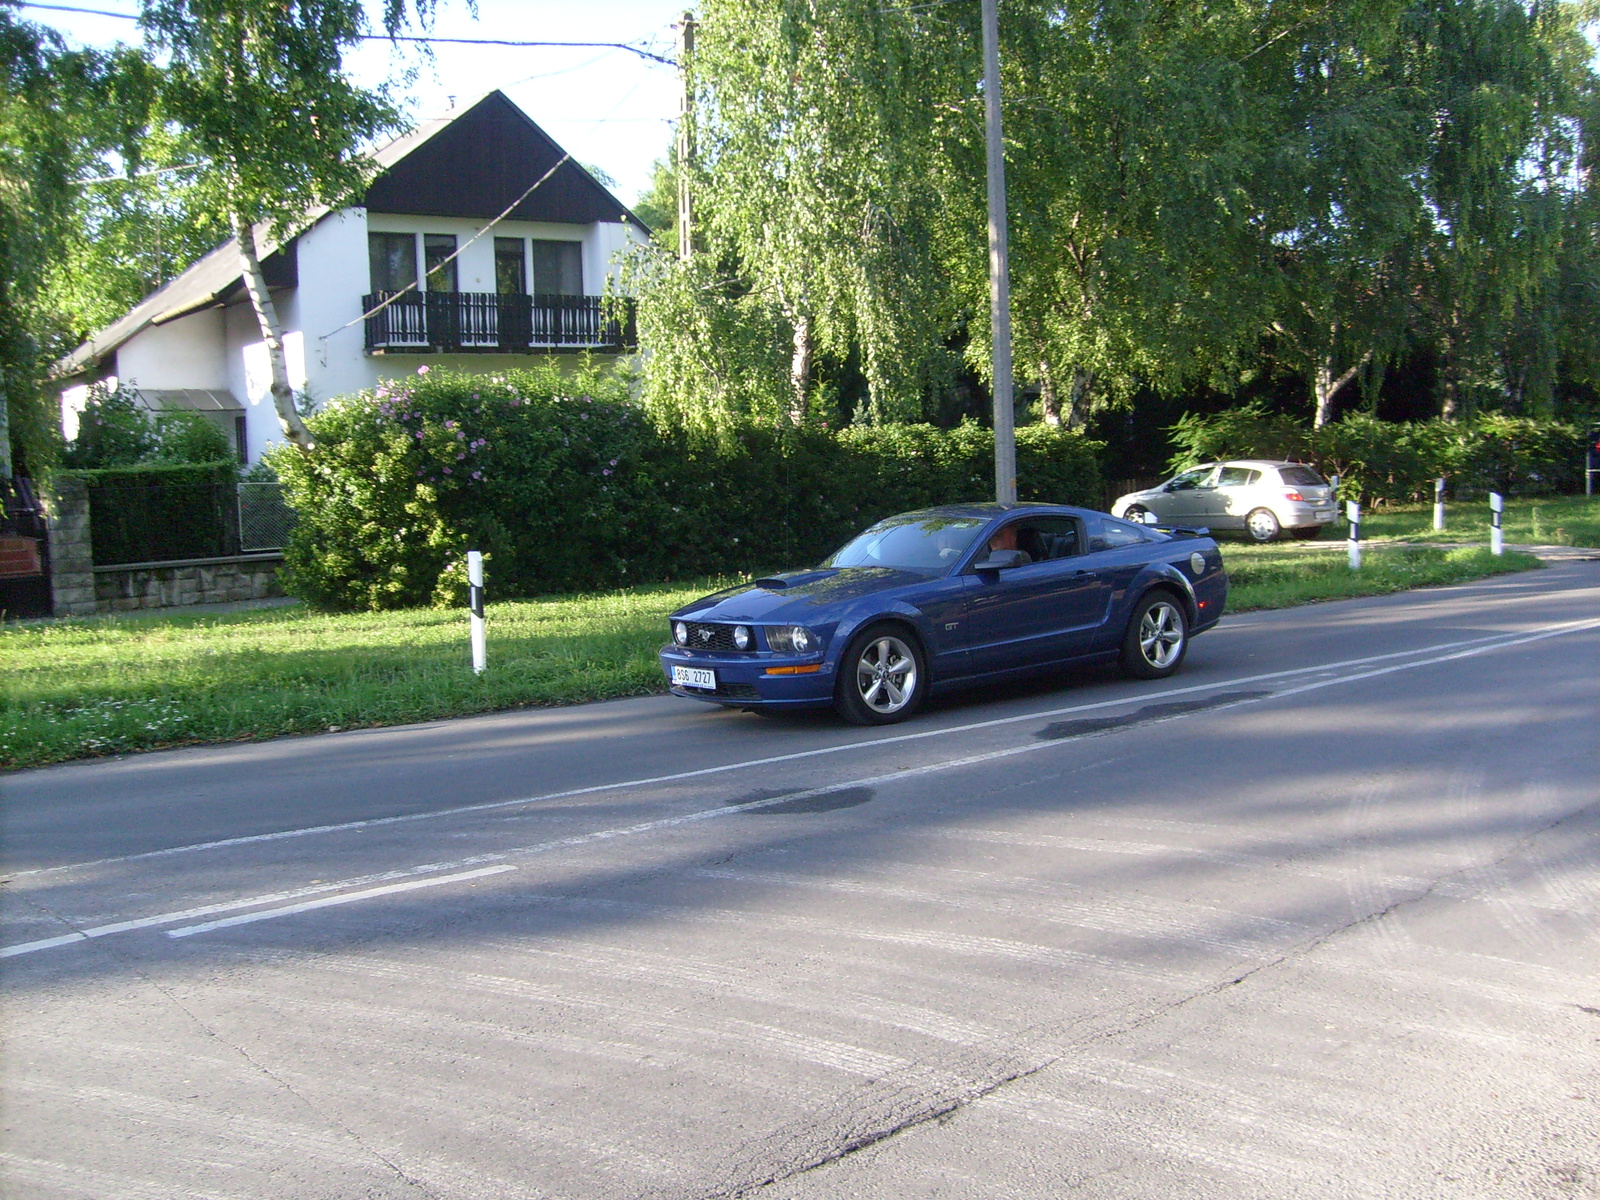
point(705, 636)
point(724, 691)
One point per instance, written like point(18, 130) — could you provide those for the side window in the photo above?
point(436, 249)
point(1046, 538)
point(392, 258)
point(557, 268)
point(1114, 535)
point(1238, 477)
point(1191, 479)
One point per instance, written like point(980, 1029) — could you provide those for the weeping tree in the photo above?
point(1133, 144)
point(812, 204)
point(259, 87)
point(61, 110)
point(1511, 92)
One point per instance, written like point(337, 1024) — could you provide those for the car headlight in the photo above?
point(791, 639)
point(680, 633)
point(741, 636)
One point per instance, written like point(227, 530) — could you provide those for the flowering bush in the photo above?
point(564, 484)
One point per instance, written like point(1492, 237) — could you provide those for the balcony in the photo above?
point(486, 323)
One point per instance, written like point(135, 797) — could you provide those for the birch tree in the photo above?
point(259, 86)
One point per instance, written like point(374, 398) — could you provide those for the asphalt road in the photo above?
point(1319, 916)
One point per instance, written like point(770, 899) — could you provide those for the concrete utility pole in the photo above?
point(685, 135)
point(1005, 434)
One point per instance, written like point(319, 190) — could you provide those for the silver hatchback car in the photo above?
point(1258, 497)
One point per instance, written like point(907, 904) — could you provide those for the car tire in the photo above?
point(1157, 638)
point(1262, 525)
point(883, 676)
point(1308, 534)
point(1135, 513)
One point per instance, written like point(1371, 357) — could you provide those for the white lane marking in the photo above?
point(289, 910)
point(1488, 642)
point(206, 910)
point(600, 835)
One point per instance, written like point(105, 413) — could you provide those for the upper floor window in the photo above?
point(510, 272)
point(558, 268)
point(436, 248)
point(393, 260)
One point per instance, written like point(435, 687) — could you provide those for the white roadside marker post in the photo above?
point(1497, 535)
point(1352, 511)
point(1333, 490)
point(1438, 503)
point(475, 606)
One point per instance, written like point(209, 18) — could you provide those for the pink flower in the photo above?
point(613, 462)
point(447, 470)
point(607, 471)
point(423, 369)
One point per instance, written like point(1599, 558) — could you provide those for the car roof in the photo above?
point(989, 510)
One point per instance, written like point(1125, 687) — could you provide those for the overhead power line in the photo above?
point(424, 39)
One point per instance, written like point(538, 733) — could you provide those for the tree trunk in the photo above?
point(1078, 398)
point(800, 368)
point(255, 283)
point(5, 434)
point(1325, 387)
point(1049, 402)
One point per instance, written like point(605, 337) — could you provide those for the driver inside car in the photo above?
point(1006, 539)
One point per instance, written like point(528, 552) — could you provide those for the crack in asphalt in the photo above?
point(207, 1030)
point(943, 1108)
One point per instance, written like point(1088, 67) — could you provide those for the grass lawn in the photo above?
point(1552, 521)
point(76, 689)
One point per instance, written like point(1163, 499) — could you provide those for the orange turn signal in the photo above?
point(810, 670)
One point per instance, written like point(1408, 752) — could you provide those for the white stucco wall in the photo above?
point(324, 338)
point(186, 353)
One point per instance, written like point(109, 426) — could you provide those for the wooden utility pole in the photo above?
point(685, 146)
point(1005, 434)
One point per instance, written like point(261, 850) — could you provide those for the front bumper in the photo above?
point(743, 679)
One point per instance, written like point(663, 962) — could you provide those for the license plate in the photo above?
point(695, 677)
point(1325, 516)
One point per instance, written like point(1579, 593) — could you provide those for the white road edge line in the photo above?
point(1509, 639)
point(328, 901)
point(725, 810)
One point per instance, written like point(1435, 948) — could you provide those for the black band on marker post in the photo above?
point(475, 600)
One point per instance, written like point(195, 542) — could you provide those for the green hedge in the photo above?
point(153, 513)
point(566, 485)
point(1383, 460)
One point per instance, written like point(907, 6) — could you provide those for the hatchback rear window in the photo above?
point(1303, 476)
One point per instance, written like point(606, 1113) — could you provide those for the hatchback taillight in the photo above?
point(1292, 495)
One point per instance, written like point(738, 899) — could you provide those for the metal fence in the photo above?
point(172, 521)
point(481, 322)
point(265, 520)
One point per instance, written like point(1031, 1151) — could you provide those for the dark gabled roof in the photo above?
point(478, 164)
point(501, 151)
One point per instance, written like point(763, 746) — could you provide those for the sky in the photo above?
point(610, 108)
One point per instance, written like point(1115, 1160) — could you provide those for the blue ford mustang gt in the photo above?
point(948, 597)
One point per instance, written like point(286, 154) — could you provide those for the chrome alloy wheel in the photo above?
point(886, 675)
point(1161, 635)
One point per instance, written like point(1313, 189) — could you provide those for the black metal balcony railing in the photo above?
point(486, 323)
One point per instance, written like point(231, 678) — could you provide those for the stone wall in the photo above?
point(72, 580)
point(197, 581)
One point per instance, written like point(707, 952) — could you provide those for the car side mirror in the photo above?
point(1000, 560)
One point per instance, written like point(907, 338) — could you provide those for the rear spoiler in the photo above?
point(1196, 531)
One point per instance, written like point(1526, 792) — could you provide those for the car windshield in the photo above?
point(917, 543)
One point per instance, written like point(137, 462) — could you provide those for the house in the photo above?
point(530, 285)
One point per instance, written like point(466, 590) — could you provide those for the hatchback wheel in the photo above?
point(1157, 638)
point(882, 677)
point(1262, 525)
point(1136, 513)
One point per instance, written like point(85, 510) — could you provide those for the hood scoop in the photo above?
point(777, 583)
